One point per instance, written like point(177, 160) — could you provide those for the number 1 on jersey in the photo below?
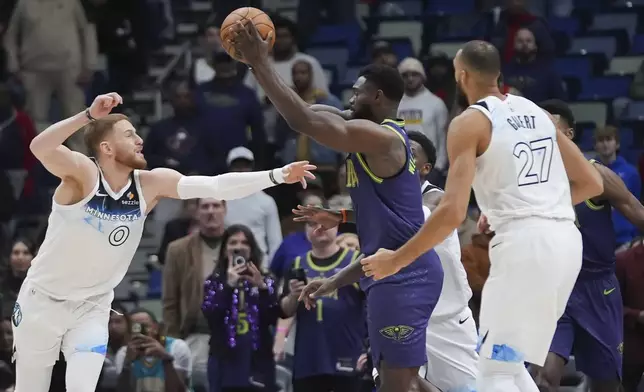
point(534, 159)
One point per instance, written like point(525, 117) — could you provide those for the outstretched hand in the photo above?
point(248, 44)
point(298, 172)
point(103, 104)
point(314, 290)
point(323, 218)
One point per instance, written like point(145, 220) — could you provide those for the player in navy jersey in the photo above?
point(329, 340)
point(387, 201)
point(591, 327)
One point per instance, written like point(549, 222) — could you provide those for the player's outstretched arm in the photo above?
point(585, 181)
point(326, 128)
point(616, 192)
point(172, 184)
point(345, 114)
point(59, 160)
point(463, 137)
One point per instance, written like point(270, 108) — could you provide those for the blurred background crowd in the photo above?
point(199, 111)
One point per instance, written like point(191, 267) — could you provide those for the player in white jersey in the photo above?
point(525, 179)
point(95, 226)
point(451, 333)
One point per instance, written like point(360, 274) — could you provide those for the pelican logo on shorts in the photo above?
point(397, 332)
point(620, 348)
point(16, 316)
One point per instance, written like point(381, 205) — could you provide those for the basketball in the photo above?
point(262, 22)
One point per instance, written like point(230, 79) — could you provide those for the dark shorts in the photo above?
point(397, 318)
point(591, 328)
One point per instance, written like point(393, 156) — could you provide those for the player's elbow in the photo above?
point(594, 184)
point(455, 212)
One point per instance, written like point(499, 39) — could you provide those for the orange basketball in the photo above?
point(262, 22)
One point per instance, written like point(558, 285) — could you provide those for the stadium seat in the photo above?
point(461, 26)
point(350, 76)
point(626, 137)
point(634, 111)
point(608, 87)
point(448, 48)
point(613, 21)
point(627, 65)
point(637, 45)
point(568, 25)
point(330, 74)
point(404, 8)
point(402, 29)
point(592, 112)
point(349, 34)
point(450, 7)
point(632, 155)
point(604, 45)
point(580, 67)
point(331, 55)
point(585, 139)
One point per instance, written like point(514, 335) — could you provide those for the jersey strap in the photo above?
point(589, 202)
point(482, 107)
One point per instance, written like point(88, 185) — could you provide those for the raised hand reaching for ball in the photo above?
point(248, 44)
point(248, 35)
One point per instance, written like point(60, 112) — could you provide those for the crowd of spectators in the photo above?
point(232, 270)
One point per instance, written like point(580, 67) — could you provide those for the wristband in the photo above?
point(271, 177)
point(344, 215)
point(89, 115)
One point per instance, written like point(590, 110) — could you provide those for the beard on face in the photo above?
point(461, 98)
point(363, 112)
point(132, 160)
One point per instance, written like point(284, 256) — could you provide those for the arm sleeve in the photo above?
point(229, 186)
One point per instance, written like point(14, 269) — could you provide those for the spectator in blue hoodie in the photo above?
point(237, 118)
point(531, 74)
point(175, 141)
point(606, 146)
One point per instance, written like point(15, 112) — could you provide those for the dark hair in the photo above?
point(119, 307)
point(381, 48)
point(425, 144)
point(385, 78)
point(96, 131)
point(143, 310)
point(559, 108)
point(256, 254)
point(31, 246)
point(482, 57)
point(281, 22)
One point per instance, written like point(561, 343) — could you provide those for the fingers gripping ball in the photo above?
point(262, 22)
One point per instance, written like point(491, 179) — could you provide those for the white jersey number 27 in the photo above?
point(533, 161)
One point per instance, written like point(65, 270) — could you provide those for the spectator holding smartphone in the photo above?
point(329, 338)
point(241, 306)
point(152, 362)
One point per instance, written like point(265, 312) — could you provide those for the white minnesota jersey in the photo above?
point(521, 174)
point(89, 245)
point(456, 292)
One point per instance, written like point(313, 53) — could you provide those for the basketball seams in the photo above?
point(259, 18)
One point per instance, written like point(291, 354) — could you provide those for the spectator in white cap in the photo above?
point(424, 112)
point(257, 211)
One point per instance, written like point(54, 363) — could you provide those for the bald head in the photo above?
point(481, 57)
